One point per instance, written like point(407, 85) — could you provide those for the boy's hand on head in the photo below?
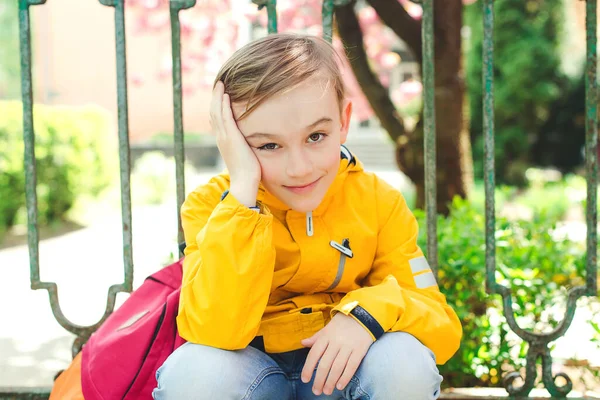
point(338, 348)
point(239, 158)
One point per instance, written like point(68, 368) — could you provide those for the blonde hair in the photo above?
point(275, 63)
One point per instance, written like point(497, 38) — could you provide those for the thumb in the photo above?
point(309, 341)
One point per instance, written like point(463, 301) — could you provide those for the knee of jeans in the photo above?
point(201, 372)
point(399, 364)
point(186, 372)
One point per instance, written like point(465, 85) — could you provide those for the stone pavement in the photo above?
point(84, 263)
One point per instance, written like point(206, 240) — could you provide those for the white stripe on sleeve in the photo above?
point(425, 280)
point(418, 264)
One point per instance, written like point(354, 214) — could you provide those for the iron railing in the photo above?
point(538, 342)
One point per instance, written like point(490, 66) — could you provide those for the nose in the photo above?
point(299, 164)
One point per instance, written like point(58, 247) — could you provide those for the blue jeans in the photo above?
point(397, 366)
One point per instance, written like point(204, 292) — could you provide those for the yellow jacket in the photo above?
point(281, 274)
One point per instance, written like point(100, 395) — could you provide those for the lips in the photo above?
point(303, 188)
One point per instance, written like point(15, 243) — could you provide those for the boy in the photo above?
point(302, 277)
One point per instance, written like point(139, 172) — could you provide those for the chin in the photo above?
point(304, 206)
point(302, 209)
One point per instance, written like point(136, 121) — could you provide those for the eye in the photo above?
point(316, 137)
point(269, 146)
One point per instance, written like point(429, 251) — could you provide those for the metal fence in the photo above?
point(538, 342)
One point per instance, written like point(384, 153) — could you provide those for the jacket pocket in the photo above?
point(285, 332)
point(310, 300)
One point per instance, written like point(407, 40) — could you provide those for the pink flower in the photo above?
point(136, 80)
point(406, 91)
point(389, 60)
point(151, 4)
point(367, 15)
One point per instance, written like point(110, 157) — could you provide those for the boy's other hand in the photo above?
point(239, 158)
point(340, 346)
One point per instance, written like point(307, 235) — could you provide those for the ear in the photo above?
point(346, 115)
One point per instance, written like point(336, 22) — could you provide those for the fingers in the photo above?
point(323, 369)
point(336, 370)
point(217, 99)
point(216, 108)
point(227, 115)
point(241, 162)
point(314, 355)
point(221, 114)
point(351, 367)
point(309, 342)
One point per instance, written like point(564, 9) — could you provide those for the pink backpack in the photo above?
point(120, 359)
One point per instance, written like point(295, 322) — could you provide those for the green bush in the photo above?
point(9, 51)
point(543, 198)
point(533, 258)
point(153, 180)
point(72, 153)
point(528, 79)
point(546, 201)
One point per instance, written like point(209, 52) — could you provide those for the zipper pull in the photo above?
point(343, 248)
point(309, 223)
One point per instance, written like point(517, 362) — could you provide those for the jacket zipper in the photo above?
point(309, 224)
point(345, 252)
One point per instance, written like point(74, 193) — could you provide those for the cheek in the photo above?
point(330, 160)
point(268, 168)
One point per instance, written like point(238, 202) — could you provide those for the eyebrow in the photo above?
point(272, 135)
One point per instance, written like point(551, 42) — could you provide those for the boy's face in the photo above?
point(296, 137)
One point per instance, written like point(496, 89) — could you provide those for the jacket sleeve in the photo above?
point(227, 272)
point(400, 292)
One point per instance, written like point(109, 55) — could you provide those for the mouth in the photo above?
point(302, 188)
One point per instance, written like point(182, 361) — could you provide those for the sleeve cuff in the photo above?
point(363, 317)
point(258, 208)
